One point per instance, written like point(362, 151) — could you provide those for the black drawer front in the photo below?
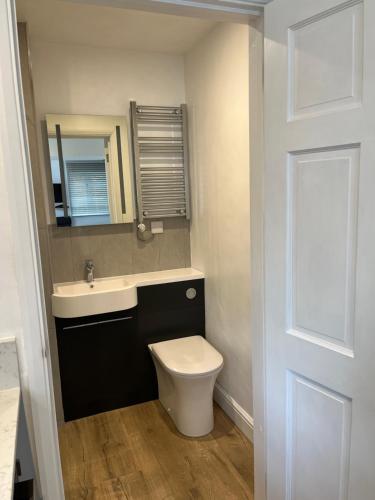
point(104, 359)
point(96, 318)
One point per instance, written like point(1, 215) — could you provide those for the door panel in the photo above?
point(320, 249)
point(318, 438)
point(323, 197)
point(325, 57)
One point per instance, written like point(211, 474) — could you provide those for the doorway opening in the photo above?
point(161, 61)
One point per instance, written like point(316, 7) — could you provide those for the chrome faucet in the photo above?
point(90, 271)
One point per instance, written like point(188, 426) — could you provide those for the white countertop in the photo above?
point(9, 408)
point(153, 278)
point(161, 277)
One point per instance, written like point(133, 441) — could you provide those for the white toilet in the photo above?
point(187, 369)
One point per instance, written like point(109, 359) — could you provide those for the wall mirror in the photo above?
point(91, 177)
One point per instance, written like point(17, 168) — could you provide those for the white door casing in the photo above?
point(320, 249)
point(32, 338)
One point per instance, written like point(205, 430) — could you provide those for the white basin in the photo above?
point(71, 300)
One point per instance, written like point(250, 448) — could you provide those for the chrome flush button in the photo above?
point(191, 293)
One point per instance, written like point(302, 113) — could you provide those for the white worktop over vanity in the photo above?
point(9, 411)
point(147, 279)
point(162, 277)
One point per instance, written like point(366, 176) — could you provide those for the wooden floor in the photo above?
point(136, 453)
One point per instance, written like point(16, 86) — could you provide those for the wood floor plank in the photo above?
point(231, 441)
point(113, 490)
point(135, 485)
point(136, 453)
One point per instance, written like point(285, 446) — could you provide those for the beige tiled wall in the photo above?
point(115, 249)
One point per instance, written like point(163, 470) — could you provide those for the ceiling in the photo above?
point(63, 22)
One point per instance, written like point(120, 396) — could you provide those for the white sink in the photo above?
point(71, 300)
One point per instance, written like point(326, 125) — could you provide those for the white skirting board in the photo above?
point(234, 411)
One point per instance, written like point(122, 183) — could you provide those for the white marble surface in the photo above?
point(155, 277)
point(8, 364)
point(9, 408)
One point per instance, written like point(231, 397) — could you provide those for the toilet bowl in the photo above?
point(187, 369)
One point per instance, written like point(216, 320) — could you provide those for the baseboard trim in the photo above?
point(235, 412)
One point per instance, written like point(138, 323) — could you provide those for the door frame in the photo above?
point(32, 337)
point(257, 257)
point(217, 10)
point(33, 345)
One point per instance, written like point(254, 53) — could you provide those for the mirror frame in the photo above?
point(116, 129)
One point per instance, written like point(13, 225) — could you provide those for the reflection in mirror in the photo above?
point(86, 184)
point(90, 170)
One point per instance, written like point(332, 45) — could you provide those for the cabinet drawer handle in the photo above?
point(97, 323)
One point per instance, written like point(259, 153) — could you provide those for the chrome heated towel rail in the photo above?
point(161, 160)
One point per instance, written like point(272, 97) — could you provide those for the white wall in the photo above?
point(78, 79)
point(94, 80)
point(10, 313)
point(217, 87)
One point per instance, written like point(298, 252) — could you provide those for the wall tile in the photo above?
point(187, 248)
point(61, 254)
point(110, 247)
point(116, 250)
point(146, 254)
point(172, 244)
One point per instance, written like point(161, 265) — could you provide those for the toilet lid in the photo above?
point(188, 356)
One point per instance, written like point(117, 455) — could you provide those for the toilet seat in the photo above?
point(188, 357)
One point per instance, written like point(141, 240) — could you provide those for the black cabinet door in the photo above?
point(100, 363)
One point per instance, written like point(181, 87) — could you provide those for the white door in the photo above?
point(320, 249)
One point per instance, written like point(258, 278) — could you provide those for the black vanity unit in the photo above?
point(104, 359)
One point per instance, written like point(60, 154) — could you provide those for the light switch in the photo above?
point(157, 227)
